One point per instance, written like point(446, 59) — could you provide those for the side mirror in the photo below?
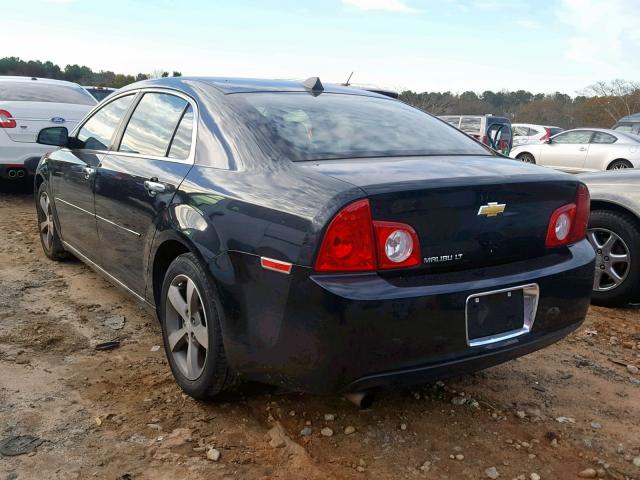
point(548, 141)
point(58, 136)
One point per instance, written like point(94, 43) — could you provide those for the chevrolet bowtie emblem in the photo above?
point(492, 209)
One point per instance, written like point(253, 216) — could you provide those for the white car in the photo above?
point(584, 150)
point(525, 133)
point(27, 105)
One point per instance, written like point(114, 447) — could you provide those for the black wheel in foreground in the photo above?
point(49, 238)
point(619, 165)
point(526, 158)
point(616, 238)
point(190, 316)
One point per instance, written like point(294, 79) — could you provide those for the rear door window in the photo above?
point(39, 91)
point(153, 124)
point(97, 132)
point(181, 143)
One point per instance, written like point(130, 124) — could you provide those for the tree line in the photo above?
point(74, 73)
point(599, 105)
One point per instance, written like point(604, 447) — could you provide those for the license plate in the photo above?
point(501, 314)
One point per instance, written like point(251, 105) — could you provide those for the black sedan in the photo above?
point(317, 237)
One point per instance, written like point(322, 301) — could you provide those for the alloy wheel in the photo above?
point(619, 166)
point(613, 259)
point(46, 225)
point(187, 327)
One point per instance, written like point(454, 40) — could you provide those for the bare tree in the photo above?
point(617, 98)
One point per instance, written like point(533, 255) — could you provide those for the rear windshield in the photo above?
point(300, 127)
point(99, 93)
point(633, 128)
point(32, 91)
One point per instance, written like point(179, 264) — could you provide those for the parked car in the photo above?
point(321, 238)
point(26, 106)
point(614, 232)
point(496, 132)
point(629, 124)
point(526, 133)
point(583, 150)
point(99, 93)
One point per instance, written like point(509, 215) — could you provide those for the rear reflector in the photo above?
point(6, 120)
point(275, 265)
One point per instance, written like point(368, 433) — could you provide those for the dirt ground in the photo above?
point(118, 414)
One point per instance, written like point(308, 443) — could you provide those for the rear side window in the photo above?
point(38, 91)
point(153, 124)
point(601, 137)
point(471, 125)
point(97, 132)
point(520, 132)
point(301, 127)
point(181, 143)
point(576, 137)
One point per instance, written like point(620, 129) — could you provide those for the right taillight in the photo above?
point(354, 242)
point(547, 134)
point(568, 224)
point(6, 120)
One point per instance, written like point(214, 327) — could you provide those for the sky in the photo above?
point(422, 45)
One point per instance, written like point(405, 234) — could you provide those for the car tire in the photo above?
point(47, 230)
point(526, 158)
point(200, 370)
point(624, 231)
point(619, 165)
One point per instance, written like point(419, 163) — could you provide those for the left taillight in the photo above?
point(568, 224)
point(354, 242)
point(6, 120)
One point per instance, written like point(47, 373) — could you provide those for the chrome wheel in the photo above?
point(187, 327)
point(620, 166)
point(613, 259)
point(46, 225)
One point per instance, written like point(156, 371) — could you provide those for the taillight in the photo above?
point(546, 135)
point(6, 120)
point(354, 242)
point(348, 244)
point(568, 224)
point(398, 245)
point(484, 140)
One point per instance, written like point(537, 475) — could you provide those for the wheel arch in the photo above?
point(611, 162)
point(615, 207)
point(525, 152)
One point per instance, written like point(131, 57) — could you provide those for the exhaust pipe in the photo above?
point(20, 173)
point(362, 400)
point(12, 173)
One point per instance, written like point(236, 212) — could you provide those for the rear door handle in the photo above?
point(583, 149)
point(154, 187)
point(88, 171)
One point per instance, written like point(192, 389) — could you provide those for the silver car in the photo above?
point(614, 232)
point(584, 150)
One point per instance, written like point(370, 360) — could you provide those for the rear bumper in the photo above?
point(324, 333)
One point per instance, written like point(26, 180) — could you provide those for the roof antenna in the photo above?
point(314, 85)
point(346, 84)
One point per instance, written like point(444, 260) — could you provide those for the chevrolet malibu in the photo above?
point(315, 237)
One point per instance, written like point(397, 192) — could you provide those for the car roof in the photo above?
point(533, 125)
point(230, 85)
point(594, 129)
point(44, 81)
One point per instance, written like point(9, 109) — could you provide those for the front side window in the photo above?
point(471, 125)
point(301, 127)
point(601, 137)
point(576, 137)
point(152, 125)
point(97, 132)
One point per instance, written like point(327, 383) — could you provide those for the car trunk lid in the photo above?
point(454, 204)
point(31, 117)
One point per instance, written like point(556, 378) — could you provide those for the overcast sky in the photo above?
point(456, 45)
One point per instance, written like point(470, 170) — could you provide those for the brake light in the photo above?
point(6, 120)
point(568, 224)
point(546, 135)
point(354, 242)
point(484, 140)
